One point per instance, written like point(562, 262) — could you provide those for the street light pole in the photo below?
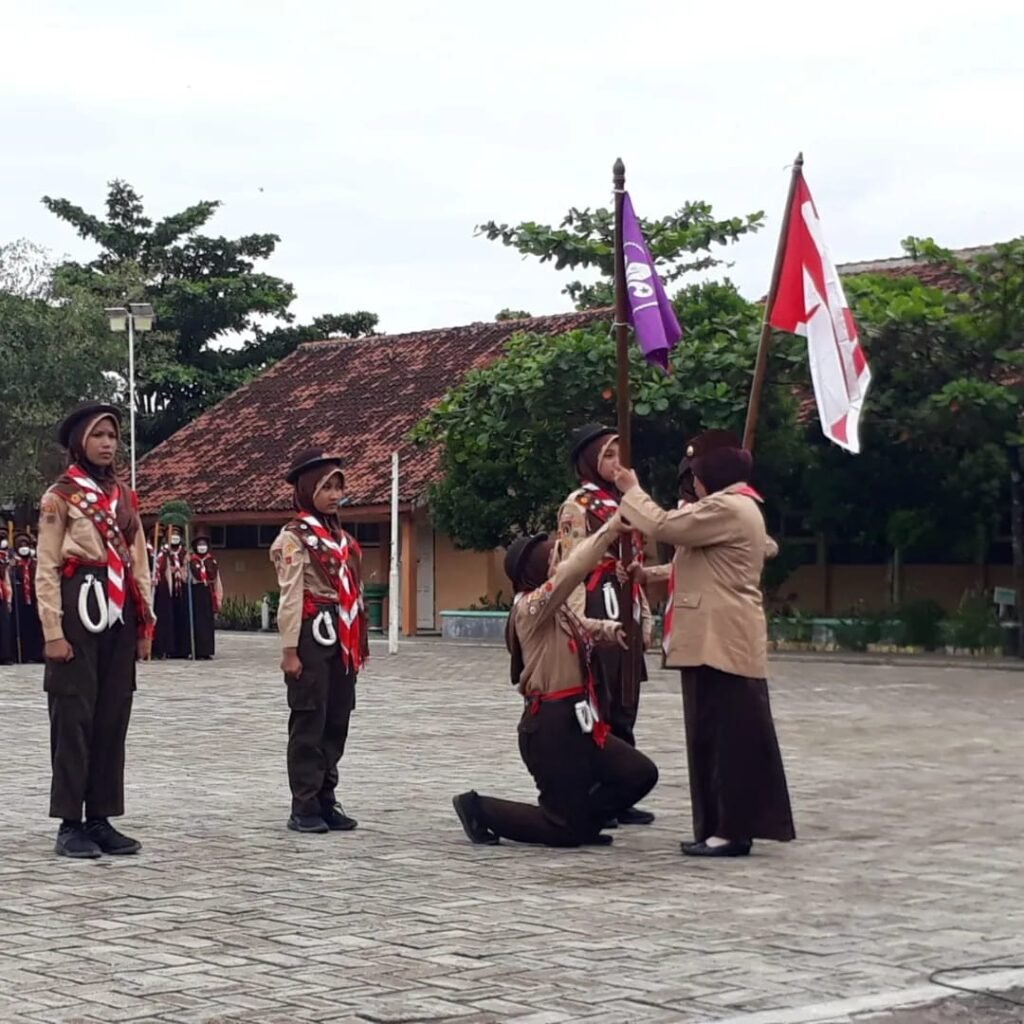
point(131, 390)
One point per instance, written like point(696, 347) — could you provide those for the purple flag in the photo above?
point(650, 312)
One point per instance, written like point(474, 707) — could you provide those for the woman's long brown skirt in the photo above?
point(737, 781)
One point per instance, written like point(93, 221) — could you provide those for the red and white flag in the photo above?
point(810, 301)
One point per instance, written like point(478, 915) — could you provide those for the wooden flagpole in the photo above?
point(761, 365)
point(626, 611)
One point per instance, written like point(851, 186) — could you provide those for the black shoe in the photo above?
point(73, 842)
point(736, 848)
point(337, 820)
point(307, 823)
point(108, 839)
point(467, 807)
point(611, 823)
point(635, 816)
point(599, 840)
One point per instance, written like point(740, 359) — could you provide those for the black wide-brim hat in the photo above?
point(85, 411)
point(309, 458)
point(518, 552)
point(584, 435)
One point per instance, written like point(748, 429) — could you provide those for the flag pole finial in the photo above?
point(799, 161)
point(619, 174)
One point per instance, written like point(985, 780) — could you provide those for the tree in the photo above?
point(55, 351)
point(679, 243)
point(206, 292)
point(512, 314)
point(505, 428)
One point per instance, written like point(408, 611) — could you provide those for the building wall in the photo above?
point(462, 578)
point(867, 586)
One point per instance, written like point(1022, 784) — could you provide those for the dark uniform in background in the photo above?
point(207, 595)
point(7, 651)
point(28, 634)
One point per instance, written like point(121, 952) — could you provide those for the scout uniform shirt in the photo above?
point(541, 621)
point(66, 532)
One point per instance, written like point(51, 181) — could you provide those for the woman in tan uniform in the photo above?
point(94, 604)
point(322, 621)
point(715, 633)
point(584, 774)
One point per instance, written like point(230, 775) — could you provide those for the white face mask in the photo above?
point(201, 548)
point(175, 542)
point(24, 552)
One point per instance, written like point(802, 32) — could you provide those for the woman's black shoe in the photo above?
point(467, 807)
point(307, 823)
point(735, 848)
point(337, 820)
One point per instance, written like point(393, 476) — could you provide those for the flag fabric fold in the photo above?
point(650, 311)
point(810, 301)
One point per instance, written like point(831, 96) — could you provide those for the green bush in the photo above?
point(855, 634)
point(975, 626)
point(795, 628)
point(920, 624)
point(239, 613)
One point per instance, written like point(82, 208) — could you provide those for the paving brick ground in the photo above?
point(906, 783)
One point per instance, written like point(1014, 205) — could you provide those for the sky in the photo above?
point(373, 137)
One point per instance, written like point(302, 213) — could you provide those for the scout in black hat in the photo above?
point(594, 453)
point(322, 622)
point(93, 588)
point(207, 589)
point(584, 774)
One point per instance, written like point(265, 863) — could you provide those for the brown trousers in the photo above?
point(90, 702)
point(580, 785)
point(321, 700)
point(737, 781)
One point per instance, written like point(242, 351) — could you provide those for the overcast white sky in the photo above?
point(372, 137)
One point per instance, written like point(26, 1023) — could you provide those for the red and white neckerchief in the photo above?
point(339, 570)
point(101, 509)
point(666, 629)
point(27, 578)
point(202, 574)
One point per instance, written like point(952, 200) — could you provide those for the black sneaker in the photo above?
point(337, 820)
point(108, 839)
point(635, 816)
point(307, 823)
point(467, 807)
point(73, 842)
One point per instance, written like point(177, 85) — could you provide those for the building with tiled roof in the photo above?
point(359, 398)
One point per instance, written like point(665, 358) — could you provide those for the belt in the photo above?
point(536, 699)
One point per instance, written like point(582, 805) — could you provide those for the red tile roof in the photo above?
point(358, 398)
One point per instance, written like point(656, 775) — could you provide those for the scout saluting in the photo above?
point(207, 594)
point(322, 621)
point(584, 774)
point(715, 633)
point(594, 454)
point(93, 587)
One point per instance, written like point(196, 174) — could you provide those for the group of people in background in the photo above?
point(187, 593)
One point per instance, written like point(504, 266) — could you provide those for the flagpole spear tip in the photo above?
point(799, 162)
point(619, 172)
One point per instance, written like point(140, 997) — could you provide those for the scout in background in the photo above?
point(207, 596)
point(28, 634)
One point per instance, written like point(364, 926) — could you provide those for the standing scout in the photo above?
point(7, 652)
point(594, 454)
point(584, 774)
point(94, 596)
point(716, 634)
point(28, 634)
point(207, 595)
point(322, 621)
point(163, 599)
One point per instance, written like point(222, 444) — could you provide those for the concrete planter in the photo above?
point(485, 627)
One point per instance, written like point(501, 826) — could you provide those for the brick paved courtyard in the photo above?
point(907, 789)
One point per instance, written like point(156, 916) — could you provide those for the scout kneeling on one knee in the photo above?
point(322, 621)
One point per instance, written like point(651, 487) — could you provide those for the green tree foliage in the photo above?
point(207, 293)
point(680, 242)
point(54, 352)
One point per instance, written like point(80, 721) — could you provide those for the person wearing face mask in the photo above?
point(28, 634)
point(94, 603)
point(207, 594)
point(715, 633)
point(181, 645)
point(584, 774)
point(7, 652)
point(321, 618)
point(594, 454)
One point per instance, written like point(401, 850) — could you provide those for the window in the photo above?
point(366, 534)
point(266, 534)
point(218, 537)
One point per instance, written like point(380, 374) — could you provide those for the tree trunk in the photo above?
point(1017, 540)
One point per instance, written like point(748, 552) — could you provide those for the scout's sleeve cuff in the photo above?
point(53, 632)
